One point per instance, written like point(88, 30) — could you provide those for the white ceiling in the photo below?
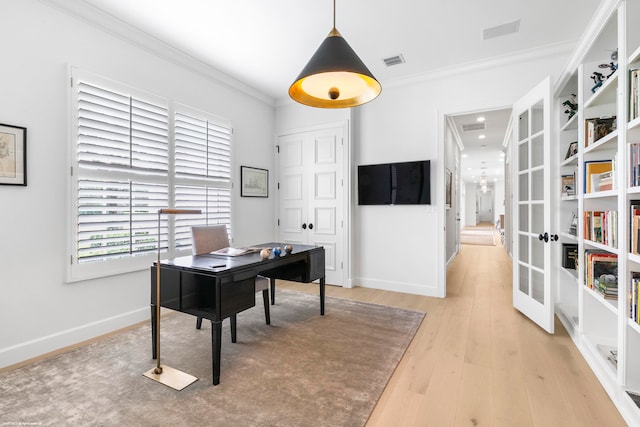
point(265, 43)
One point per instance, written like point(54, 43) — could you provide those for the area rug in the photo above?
point(477, 236)
point(302, 370)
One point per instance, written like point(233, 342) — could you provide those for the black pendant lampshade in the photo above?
point(335, 77)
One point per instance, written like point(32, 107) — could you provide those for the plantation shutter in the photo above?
point(122, 158)
point(202, 172)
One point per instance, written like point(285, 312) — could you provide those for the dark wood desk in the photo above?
point(197, 286)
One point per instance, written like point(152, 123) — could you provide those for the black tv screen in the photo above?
point(374, 185)
point(406, 183)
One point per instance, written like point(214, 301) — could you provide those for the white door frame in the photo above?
point(347, 175)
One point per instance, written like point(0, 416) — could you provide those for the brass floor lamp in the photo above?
point(167, 375)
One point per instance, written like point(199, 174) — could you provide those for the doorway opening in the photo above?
point(476, 149)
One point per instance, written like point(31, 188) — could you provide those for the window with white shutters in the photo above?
point(131, 157)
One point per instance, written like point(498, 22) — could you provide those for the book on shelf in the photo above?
point(634, 226)
point(634, 164)
point(568, 185)
point(597, 128)
point(592, 171)
point(605, 180)
point(570, 256)
point(601, 272)
point(634, 294)
point(601, 227)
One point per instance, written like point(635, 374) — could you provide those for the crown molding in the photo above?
point(120, 29)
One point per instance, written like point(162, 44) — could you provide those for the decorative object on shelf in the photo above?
point(572, 150)
point(612, 65)
point(335, 77)
point(573, 225)
point(167, 375)
point(572, 105)
point(254, 182)
point(265, 253)
point(598, 79)
point(277, 251)
point(13, 155)
point(288, 249)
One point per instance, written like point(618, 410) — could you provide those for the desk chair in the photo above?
point(209, 238)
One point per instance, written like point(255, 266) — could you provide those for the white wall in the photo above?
point(39, 312)
point(398, 247)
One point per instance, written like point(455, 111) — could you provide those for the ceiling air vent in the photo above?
point(501, 30)
point(394, 60)
point(473, 126)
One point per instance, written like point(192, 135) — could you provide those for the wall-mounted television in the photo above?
point(405, 183)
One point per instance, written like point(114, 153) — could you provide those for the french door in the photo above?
point(531, 177)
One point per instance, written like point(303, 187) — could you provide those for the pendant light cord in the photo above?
point(334, 13)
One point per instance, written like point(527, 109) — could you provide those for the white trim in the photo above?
point(431, 290)
point(111, 25)
point(37, 347)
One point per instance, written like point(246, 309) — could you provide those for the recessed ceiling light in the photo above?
point(465, 155)
point(482, 137)
point(480, 119)
point(483, 146)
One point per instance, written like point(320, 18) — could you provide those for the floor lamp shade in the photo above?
point(335, 77)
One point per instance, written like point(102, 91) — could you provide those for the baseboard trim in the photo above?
point(407, 288)
point(62, 341)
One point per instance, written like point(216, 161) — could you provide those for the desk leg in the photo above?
point(322, 296)
point(233, 321)
point(216, 347)
point(154, 350)
point(273, 290)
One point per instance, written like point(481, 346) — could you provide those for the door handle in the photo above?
point(554, 237)
point(304, 226)
point(310, 226)
point(544, 237)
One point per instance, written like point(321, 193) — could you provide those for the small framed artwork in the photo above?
point(13, 155)
point(254, 182)
point(447, 184)
point(572, 151)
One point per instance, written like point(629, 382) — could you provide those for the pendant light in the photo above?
point(334, 76)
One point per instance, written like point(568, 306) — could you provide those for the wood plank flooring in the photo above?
point(476, 361)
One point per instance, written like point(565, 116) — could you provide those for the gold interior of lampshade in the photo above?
point(335, 77)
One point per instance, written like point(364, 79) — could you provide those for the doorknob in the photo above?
point(304, 226)
point(554, 237)
point(544, 237)
point(310, 226)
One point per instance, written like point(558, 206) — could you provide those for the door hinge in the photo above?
point(71, 81)
point(341, 265)
point(71, 259)
point(71, 170)
point(278, 222)
point(278, 187)
point(278, 149)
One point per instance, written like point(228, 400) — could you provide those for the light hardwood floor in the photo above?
point(476, 361)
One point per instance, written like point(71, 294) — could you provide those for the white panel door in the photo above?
point(311, 194)
point(531, 177)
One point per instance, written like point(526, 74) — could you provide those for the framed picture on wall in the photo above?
point(254, 182)
point(13, 155)
point(447, 188)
